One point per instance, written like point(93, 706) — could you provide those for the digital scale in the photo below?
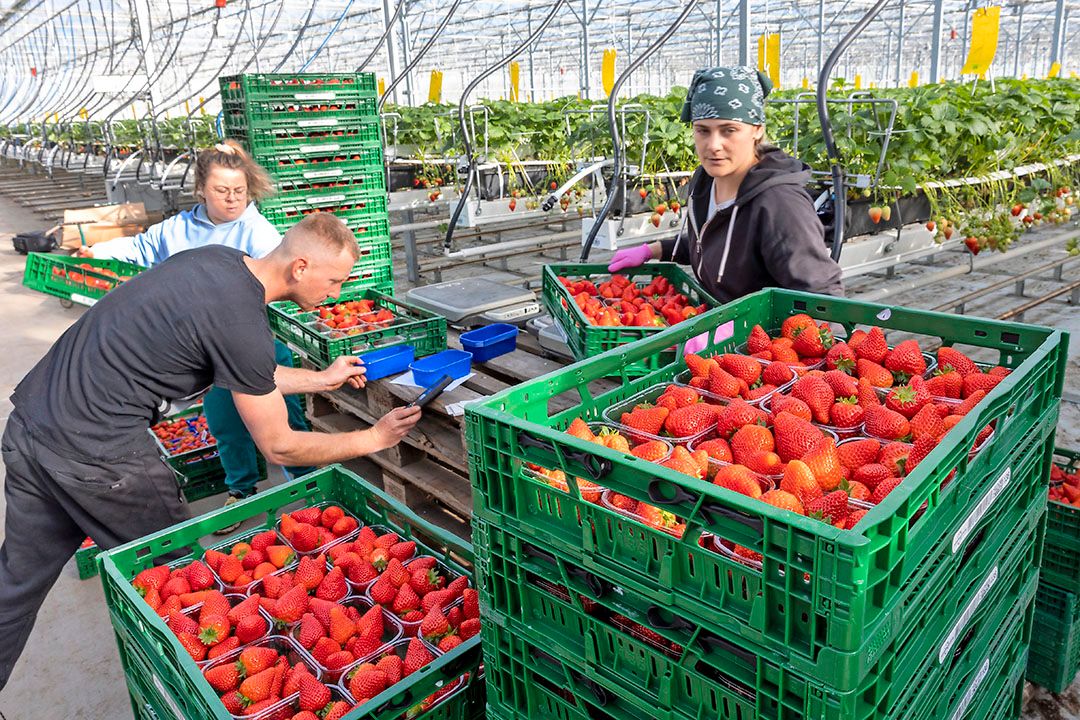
point(476, 301)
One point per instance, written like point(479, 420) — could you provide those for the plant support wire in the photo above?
point(616, 137)
point(463, 103)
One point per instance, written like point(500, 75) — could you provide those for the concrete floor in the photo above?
point(73, 634)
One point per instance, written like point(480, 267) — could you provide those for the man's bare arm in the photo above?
point(346, 369)
point(267, 419)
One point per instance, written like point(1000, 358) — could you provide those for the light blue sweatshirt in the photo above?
point(250, 233)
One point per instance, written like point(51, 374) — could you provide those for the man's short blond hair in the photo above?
point(334, 234)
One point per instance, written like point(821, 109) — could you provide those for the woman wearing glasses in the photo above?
point(227, 184)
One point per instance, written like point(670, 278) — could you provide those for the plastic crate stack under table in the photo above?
point(922, 611)
point(319, 137)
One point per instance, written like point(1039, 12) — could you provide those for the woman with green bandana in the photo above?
point(749, 221)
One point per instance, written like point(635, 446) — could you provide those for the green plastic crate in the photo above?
point(62, 276)
point(268, 115)
point(527, 588)
point(173, 671)
point(855, 578)
point(1055, 645)
point(348, 191)
point(353, 210)
point(586, 340)
point(527, 678)
point(1061, 561)
point(336, 163)
point(86, 561)
point(297, 87)
point(267, 143)
point(191, 465)
point(424, 330)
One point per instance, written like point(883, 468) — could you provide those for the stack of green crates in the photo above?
point(163, 680)
point(318, 135)
point(1055, 645)
point(922, 612)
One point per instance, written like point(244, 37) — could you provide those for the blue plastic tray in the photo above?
point(388, 361)
point(455, 363)
point(490, 341)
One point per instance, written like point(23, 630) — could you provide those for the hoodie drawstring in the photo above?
point(727, 242)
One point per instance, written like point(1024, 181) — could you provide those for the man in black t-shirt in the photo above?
point(79, 460)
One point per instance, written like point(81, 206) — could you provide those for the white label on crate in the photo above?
point(321, 122)
point(325, 199)
point(325, 148)
point(166, 695)
point(322, 173)
point(972, 606)
point(981, 509)
point(970, 694)
point(82, 299)
point(316, 96)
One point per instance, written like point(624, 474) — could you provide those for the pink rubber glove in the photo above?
point(697, 343)
point(630, 258)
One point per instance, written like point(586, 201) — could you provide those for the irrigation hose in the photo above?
point(839, 191)
point(382, 38)
point(616, 139)
point(420, 56)
point(462, 125)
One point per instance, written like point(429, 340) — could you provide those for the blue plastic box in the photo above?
point(388, 361)
point(490, 341)
point(455, 363)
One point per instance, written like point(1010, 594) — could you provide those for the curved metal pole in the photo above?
point(463, 126)
point(837, 170)
point(382, 38)
point(420, 56)
point(326, 39)
point(616, 138)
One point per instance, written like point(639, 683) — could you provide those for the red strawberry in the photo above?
point(795, 437)
point(829, 508)
point(256, 659)
point(337, 710)
point(816, 393)
point(646, 419)
point(305, 538)
point(457, 586)
point(368, 682)
point(416, 657)
point(927, 422)
point(969, 403)
point(799, 480)
point(777, 373)
point(824, 462)
point(291, 606)
point(742, 367)
point(333, 587)
point(883, 489)
point(908, 399)
point(758, 340)
point(199, 576)
point(195, 649)
point(324, 647)
point(872, 475)
point(947, 384)
point(853, 519)
point(330, 515)
point(699, 366)
point(978, 381)
point(251, 628)
point(867, 395)
point(471, 603)
point(922, 447)
point(434, 626)
point(257, 687)
point(252, 559)
point(263, 540)
point(341, 628)
point(788, 404)
point(310, 572)
point(226, 646)
point(876, 374)
point(309, 516)
point(813, 341)
point(950, 358)
point(339, 660)
point(842, 384)
point(449, 642)
point(885, 423)
point(873, 347)
point(689, 421)
point(840, 357)
point(846, 413)
point(405, 601)
point(751, 439)
point(313, 694)
point(736, 414)
point(213, 629)
point(725, 384)
point(717, 449)
point(794, 324)
point(894, 457)
point(403, 551)
point(223, 678)
point(905, 361)
point(311, 630)
point(178, 585)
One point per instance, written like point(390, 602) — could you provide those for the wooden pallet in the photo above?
point(432, 460)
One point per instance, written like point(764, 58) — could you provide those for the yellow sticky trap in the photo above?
point(805, 83)
point(83, 113)
point(1055, 70)
point(914, 80)
point(382, 86)
point(772, 57)
point(202, 105)
point(434, 94)
point(858, 81)
point(984, 41)
point(761, 53)
point(607, 71)
point(515, 81)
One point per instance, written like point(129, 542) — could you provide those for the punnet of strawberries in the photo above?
point(619, 302)
point(273, 628)
point(1064, 486)
point(184, 434)
point(352, 317)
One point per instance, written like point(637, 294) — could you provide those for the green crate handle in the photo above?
point(676, 494)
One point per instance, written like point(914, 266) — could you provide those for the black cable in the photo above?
point(839, 192)
point(423, 51)
point(464, 196)
point(382, 38)
point(617, 154)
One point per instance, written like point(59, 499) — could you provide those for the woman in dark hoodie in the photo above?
point(749, 222)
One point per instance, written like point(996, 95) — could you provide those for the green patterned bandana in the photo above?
point(731, 93)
